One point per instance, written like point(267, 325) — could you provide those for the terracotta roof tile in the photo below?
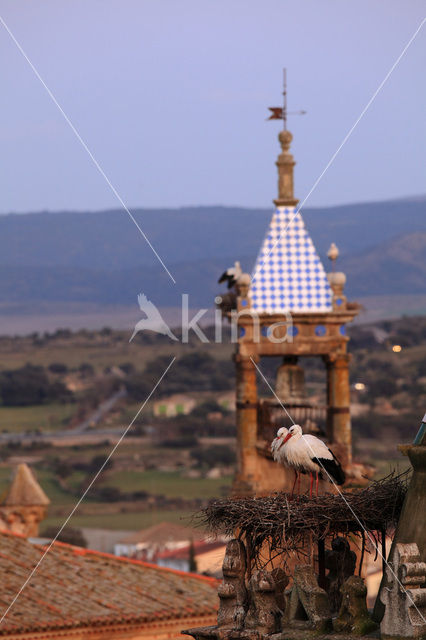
point(163, 533)
point(184, 552)
point(76, 587)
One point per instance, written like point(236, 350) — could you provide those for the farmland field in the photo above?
point(43, 417)
point(169, 484)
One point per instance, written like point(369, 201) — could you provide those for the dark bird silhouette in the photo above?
point(231, 275)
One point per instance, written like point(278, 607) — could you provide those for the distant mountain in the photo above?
point(396, 266)
point(101, 258)
point(108, 240)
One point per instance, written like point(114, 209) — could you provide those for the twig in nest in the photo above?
point(285, 524)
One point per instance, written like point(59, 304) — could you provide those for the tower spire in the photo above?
point(285, 162)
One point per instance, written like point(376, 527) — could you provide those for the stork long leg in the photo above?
point(295, 480)
point(310, 486)
point(298, 485)
point(316, 482)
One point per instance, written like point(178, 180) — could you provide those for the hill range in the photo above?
point(99, 260)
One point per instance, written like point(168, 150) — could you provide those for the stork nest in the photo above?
point(284, 522)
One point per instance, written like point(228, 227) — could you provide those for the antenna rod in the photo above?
point(285, 99)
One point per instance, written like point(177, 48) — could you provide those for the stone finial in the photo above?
point(337, 281)
point(306, 601)
point(333, 253)
point(243, 285)
point(403, 594)
point(264, 615)
point(340, 562)
point(232, 591)
point(285, 164)
point(353, 616)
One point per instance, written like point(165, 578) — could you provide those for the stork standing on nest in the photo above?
point(276, 446)
point(306, 453)
point(231, 275)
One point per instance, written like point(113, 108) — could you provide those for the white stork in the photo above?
point(276, 450)
point(306, 454)
point(231, 275)
point(278, 453)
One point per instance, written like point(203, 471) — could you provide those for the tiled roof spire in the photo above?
point(288, 275)
point(25, 490)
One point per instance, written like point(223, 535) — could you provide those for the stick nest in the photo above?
point(284, 523)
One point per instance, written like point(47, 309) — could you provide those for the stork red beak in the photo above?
point(288, 436)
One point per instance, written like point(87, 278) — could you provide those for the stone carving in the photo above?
point(353, 615)
point(232, 590)
point(307, 604)
point(281, 581)
point(263, 615)
point(404, 594)
point(340, 562)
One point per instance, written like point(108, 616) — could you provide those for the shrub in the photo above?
point(70, 535)
point(58, 367)
point(214, 455)
point(30, 385)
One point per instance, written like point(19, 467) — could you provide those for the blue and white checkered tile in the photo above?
point(288, 274)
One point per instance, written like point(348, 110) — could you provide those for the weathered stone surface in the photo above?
point(404, 594)
point(281, 581)
point(232, 590)
point(307, 603)
point(353, 615)
point(264, 614)
point(340, 562)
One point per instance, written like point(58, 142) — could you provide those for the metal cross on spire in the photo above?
point(281, 113)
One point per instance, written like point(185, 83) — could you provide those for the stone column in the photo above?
point(285, 165)
point(246, 390)
point(338, 401)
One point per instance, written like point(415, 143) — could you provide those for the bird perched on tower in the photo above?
point(306, 453)
point(231, 275)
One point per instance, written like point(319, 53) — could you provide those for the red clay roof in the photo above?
point(162, 533)
point(75, 587)
point(199, 548)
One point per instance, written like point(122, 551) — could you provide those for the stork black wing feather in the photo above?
point(231, 282)
point(332, 467)
point(223, 277)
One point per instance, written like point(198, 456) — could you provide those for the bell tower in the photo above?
point(291, 308)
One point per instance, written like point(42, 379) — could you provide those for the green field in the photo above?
point(125, 521)
point(169, 484)
point(44, 417)
point(99, 352)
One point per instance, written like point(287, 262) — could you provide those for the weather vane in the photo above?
point(281, 113)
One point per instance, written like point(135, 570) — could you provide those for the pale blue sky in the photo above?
point(172, 95)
